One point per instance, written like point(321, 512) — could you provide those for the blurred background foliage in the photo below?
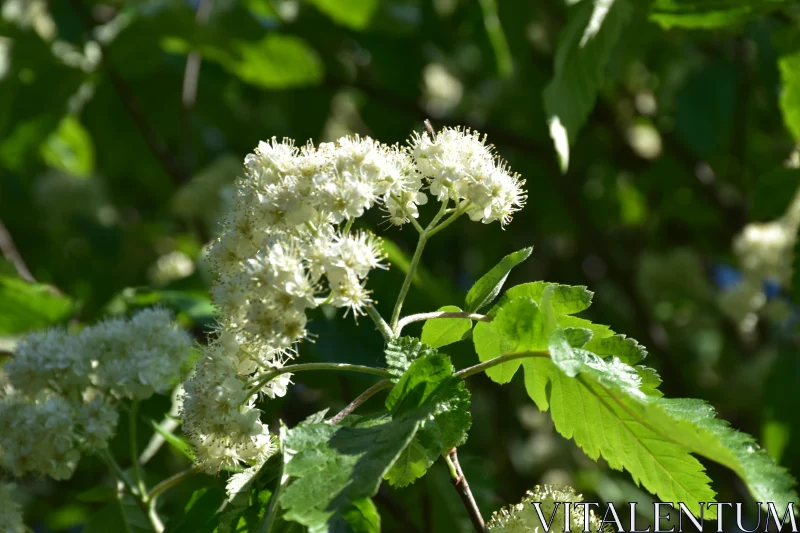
point(123, 124)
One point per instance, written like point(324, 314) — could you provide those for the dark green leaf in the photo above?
point(353, 13)
point(584, 48)
point(709, 13)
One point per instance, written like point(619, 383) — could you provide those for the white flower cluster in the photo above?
point(765, 251)
point(10, 510)
point(463, 167)
point(61, 388)
point(522, 517)
point(287, 247)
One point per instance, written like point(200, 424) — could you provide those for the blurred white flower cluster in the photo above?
point(57, 399)
point(765, 252)
point(10, 510)
point(287, 246)
point(522, 517)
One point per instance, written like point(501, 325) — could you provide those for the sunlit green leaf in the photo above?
point(489, 285)
point(440, 332)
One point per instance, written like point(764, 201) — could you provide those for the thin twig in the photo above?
point(462, 487)
point(11, 253)
point(191, 77)
point(363, 397)
point(419, 317)
point(131, 104)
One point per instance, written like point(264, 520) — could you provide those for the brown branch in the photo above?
point(131, 104)
point(10, 252)
point(464, 492)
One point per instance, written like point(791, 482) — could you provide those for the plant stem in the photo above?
point(259, 381)
point(363, 397)
point(462, 487)
point(500, 359)
point(137, 468)
point(383, 327)
point(108, 459)
point(439, 314)
point(271, 512)
point(169, 483)
point(412, 267)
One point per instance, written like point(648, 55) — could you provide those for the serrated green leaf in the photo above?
point(489, 285)
point(584, 49)
point(709, 13)
point(520, 324)
point(626, 349)
point(430, 381)
point(790, 92)
point(333, 467)
point(607, 408)
point(440, 332)
point(565, 299)
point(403, 351)
point(29, 306)
point(355, 14)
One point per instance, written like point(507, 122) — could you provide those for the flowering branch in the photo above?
point(439, 314)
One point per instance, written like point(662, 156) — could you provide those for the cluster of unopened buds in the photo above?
point(289, 246)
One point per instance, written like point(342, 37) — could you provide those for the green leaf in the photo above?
point(123, 515)
point(200, 513)
point(355, 14)
point(440, 332)
point(100, 493)
point(28, 306)
point(520, 324)
point(403, 351)
point(362, 517)
point(584, 49)
point(70, 148)
point(489, 285)
point(177, 442)
point(429, 381)
point(333, 467)
point(709, 13)
point(790, 92)
point(274, 62)
point(605, 406)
